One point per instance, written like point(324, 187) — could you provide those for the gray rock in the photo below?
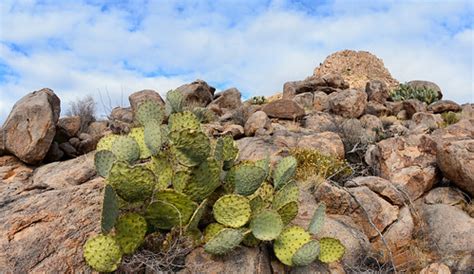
point(349, 103)
point(256, 121)
point(227, 99)
point(198, 93)
point(283, 109)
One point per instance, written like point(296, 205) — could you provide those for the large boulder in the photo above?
point(198, 93)
point(327, 83)
point(348, 103)
point(283, 109)
point(319, 122)
point(31, 126)
point(444, 105)
point(418, 84)
point(69, 126)
point(47, 214)
point(227, 99)
point(258, 121)
point(377, 91)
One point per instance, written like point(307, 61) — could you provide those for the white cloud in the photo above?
point(78, 49)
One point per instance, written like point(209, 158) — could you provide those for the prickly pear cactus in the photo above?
point(153, 139)
point(289, 241)
point(138, 134)
point(130, 232)
point(103, 160)
point(110, 209)
point(174, 102)
point(267, 225)
point(125, 148)
point(331, 250)
point(224, 241)
point(184, 120)
point(306, 254)
point(102, 253)
point(211, 230)
point(232, 210)
point(170, 209)
point(132, 183)
point(149, 112)
point(105, 143)
point(317, 222)
point(190, 147)
point(284, 171)
point(248, 178)
point(204, 180)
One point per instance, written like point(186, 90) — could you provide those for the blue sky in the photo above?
point(112, 48)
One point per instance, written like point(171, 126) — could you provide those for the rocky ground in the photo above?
point(406, 207)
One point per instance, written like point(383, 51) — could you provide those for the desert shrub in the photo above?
point(312, 163)
point(449, 118)
point(163, 179)
point(84, 108)
point(405, 92)
point(258, 100)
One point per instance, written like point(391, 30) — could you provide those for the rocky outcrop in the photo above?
point(31, 126)
point(283, 109)
point(443, 106)
point(227, 100)
point(327, 83)
point(348, 103)
point(197, 93)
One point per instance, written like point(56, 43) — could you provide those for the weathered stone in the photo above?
point(327, 83)
point(394, 107)
point(31, 126)
point(258, 120)
point(444, 105)
point(320, 101)
point(68, 149)
point(243, 260)
point(328, 143)
point(377, 91)
point(380, 186)
point(349, 103)
point(97, 129)
point(377, 109)
point(69, 125)
point(227, 99)
point(138, 97)
point(122, 114)
point(304, 100)
point(54, 153)
point(283, 109)
point(417, 84)
point(198, 93)
point(444, 195)
point(237, 131)
point(413, 106)
point(319, 122)
point(425, 122)
point(436, 268)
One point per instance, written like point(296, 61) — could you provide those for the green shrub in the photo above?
point(405, 92)
point(164, 179)
point(258, 100)
point(450, 118)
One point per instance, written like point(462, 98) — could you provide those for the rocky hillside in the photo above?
point(394, 165)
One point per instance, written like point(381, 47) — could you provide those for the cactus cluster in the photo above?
point(405, 92)
point(258, 100)
point(166, 178)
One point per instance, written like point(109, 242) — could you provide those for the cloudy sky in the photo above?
point(109, 49)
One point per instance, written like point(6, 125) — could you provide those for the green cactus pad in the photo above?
point(190, 147)
point(138, 134)
point(211, 230)
point(161, 167)
point(288, 212)
point(204, 179)
point(125, 148)
point(248, 178)
point(183, 120)
point(331, 250)
point(250, 240)
point(180, 181)
point(289, 193)
point(257, 205)
point(103, 160)
point(149, 112)
point(174, 102)
point(197, 215)
point(266, 191)
point(132, 184)
point(229, 180)
point(317, 222)
point(232, 210)
point(224, 241)
point(264, 164)
point(175, 202)
point(130, 232)
point(110, 209)
point(284, 171)
point(102, 253)
point(267, 225)
point(289, 241)
point(226, 151)
point(306, 254)
point(153, 139)
point(105, 143)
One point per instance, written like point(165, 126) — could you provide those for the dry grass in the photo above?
point(84, 108)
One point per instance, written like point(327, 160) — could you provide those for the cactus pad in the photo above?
point(148, 112)
point(289, 193)
point(288, 212)
point(257, 204)
point(248, 178)
point(131, 183)
point(110, 209)
point(190, 147)
point(267, 225)
point(197, 215)
point(105, 143)
point(226, 150)
point(174, 102)
point(170, 209)
point(264, 164)
point(232, 210)
point(180, 181)
point(250, 240)
point(306, 254)
point(103, 160)
point(331, 250)
point(153, 139)
point(203, 180)
point(211, 230)
point(125, 148)
point(224, 241)
point(289, 241)
point(102, 253)
point(317, 222)
point(183, 120)
point(284, 171)
point(161, 167)
point(130, 232)
point(138, 134)
point(266, 192)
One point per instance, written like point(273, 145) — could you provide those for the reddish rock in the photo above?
point(444, 105)
point(349, 103)
point(283, 109)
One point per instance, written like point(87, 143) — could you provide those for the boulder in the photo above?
point(320, 101)
point(61, 202)
point(377, 109)
point(283, 109)
point(409, 162)
point(237, 131)
point(327, 83)
point(443, 106)
point(413, 106)
point(444, 195)
point(319, 122)
point(198, 93)
point(417, 84)
point(436, 268)
point(31, 126)
point(377, 91)
point(304, 100)
point(425, 122)
point(227, 99)
point(70, 126)
point(122, 114)
point(380, 186)
point(258, 120)
point(138, 97)
point(349, 103)
point(243, 260)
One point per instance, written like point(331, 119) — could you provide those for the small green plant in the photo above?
point(258, 100)
point(162, 179)
point(405, 92)
point(449, 118)
point(312, 163)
